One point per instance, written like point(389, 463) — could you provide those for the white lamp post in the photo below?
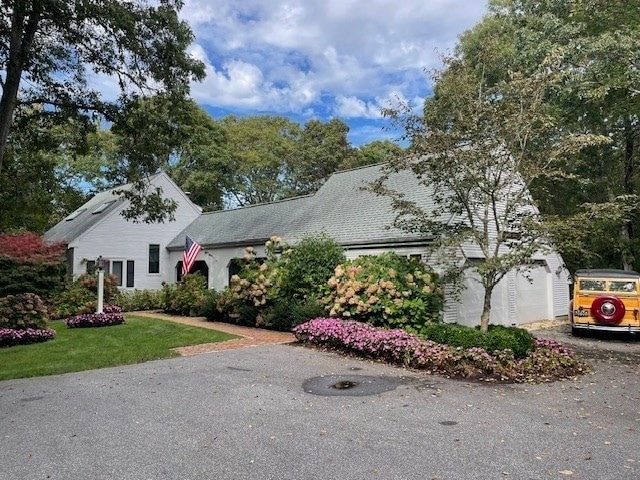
point(100, 265)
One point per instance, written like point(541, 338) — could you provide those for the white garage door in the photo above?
point(533, 295)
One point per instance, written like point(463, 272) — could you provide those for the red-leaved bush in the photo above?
point(28, 264)
point(30, 248)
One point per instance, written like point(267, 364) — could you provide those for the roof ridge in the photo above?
point(245, 207)
point(361, 167)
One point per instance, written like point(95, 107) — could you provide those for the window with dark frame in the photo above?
point(91, 267)
point(130, 273)
point(116, 267)
point(154, 258)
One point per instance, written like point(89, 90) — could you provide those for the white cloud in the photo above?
point(349, 107)
point(340, 57)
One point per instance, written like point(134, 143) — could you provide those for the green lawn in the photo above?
point(75, 349)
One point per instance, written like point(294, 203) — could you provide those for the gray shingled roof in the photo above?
point(341, 209)
point(68, 230)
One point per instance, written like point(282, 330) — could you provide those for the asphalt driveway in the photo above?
point(270, 412)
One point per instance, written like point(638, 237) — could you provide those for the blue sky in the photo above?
point(307, 59)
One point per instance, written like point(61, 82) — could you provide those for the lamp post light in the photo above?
point(100, 265)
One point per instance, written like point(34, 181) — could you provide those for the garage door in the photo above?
point(533, 291)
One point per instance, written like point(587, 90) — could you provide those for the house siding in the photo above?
point(117, 239)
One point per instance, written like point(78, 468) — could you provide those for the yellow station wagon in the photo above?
point(605, 300)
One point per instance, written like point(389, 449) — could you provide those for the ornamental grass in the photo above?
point(548, 361)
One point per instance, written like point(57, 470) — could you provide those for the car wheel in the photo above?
point(608, 309)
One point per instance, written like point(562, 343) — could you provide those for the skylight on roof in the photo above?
point(103, 207)
point(75, 214)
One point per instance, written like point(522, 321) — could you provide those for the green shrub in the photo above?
point(135, 300)
point(385, 290)
point(22, 311)
point(308, 266)
point(186, 297)
point(520, 341)
point(288, 313)
point(81, 295)
point(233, 309)
point(209, 305)
point(281, 291)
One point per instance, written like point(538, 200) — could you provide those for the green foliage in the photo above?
point(208, 306)
point(271, 158)
point(253, 291)
point(135, 300)
point(281, 291)
point(375, 152)
point(288, 312)
point(498, 337)
point(477, 148)
point(323, 148)
point(81, 295)
point(308, 266)
point(592, 196)
point(142, 44)
point(259, 148)
point(186, 297)
point(44, 279)
point(386, 290)
point(22, 311)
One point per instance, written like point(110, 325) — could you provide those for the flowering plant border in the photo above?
point(11, 336)
point(549, 360)
point(112, 315)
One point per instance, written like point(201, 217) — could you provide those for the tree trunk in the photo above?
point(22, 35)
point(627, 255)
point(626, 230)
point(486, 310)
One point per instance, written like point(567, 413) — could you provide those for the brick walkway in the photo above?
point(250, 336)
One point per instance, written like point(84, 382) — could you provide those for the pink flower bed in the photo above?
point(10, 336)
point(112, 315)
point(549, 361)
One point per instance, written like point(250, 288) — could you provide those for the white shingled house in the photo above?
point(360, 221)
point(142, 256)
point(136, 253)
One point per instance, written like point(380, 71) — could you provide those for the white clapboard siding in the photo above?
point(117, 239)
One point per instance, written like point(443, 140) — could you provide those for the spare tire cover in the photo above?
point(608, 309)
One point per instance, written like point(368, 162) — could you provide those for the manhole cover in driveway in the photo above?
point(350, 385)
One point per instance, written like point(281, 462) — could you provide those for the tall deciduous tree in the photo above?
point(260, 149)
point(477, 149)
point(172, 134)
point(271, 158)
point(378, 151)
point(598, 44)
point(51, 50)
point(323, 148)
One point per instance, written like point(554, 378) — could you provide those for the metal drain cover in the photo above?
point(350, 385)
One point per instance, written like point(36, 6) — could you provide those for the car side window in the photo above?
point(593, 285)
point(622, 286)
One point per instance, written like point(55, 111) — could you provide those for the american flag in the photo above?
point(191, 251)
